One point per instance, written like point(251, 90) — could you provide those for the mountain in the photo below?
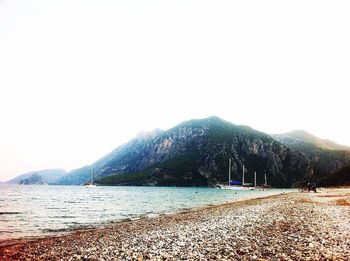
point(300, 139)
point(327, 156)
point(196, 153)
point(34, 179)
point(48, 175)
point(75, 177)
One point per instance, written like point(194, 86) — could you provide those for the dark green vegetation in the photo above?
point(179, 171)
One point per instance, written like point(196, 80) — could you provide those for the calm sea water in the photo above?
point(29, 211)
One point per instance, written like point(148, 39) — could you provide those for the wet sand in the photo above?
point(293, 226)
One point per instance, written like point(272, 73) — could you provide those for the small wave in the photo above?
point(73, 223)
point(10, 213)
point(63, 217)
point(50, 230)
point(7, 231)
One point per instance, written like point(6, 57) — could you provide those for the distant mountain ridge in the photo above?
point(49, 176)
point(196, 153)
point(327, 156)
point(299, 137)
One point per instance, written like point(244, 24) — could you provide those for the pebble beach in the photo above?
point(291, 226)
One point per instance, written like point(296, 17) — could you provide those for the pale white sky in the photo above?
point(79, 78)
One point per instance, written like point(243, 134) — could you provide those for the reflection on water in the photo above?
point(38, 210)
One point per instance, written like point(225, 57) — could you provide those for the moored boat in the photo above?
point(91, 184)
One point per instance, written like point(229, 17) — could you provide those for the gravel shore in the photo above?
point(294, 226)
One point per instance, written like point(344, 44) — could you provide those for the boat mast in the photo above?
point(255, 179)
point(229, 171)
point(243, 176)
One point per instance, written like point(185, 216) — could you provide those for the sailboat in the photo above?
point(91, 184)
point(236, 185)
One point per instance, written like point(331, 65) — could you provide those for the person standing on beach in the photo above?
point(313, 187)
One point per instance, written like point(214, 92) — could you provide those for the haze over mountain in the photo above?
point(196, 152)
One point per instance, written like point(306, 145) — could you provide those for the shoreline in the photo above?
point(236, 230)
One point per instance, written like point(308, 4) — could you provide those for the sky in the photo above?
point(79, 77)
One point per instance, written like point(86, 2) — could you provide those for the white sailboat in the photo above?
point(91, 185)
point(242, 186)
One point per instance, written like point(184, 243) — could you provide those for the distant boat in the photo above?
point(91, 184)
point(236, 185)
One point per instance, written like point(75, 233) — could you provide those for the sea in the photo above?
point(36, 211)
